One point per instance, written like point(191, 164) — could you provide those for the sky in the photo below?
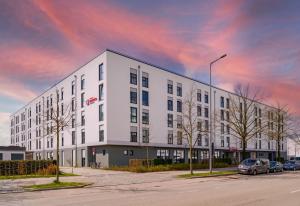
point(41, 41)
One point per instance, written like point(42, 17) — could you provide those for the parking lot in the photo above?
point(163, 188)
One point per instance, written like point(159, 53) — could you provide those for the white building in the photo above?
point(12, 153)
point(293, 148)
point(119, 104)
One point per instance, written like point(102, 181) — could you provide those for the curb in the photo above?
point(226, 175)
point(59, 188)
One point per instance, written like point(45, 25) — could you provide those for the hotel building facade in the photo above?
point(120, 105)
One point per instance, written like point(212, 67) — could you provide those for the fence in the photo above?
point(24, 167)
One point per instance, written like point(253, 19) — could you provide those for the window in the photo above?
point(82, 118)
point(228, 141)
point(73, 123)
point(101, 93)
point(62, 108)
point(170, 120)
point(206, 141)
point(222, 114)
point(206, 112)
point(170, 104)
point(73, 137)
point(227, 103)
point(101, 133)
point(101, 114)
point(73, 104)
point(170, 137)
point(206, 97)
point(82, 100)
point(222, 128)
point(101, 75)
point(179, 106)
point(51, 142)
point(199, 139)
point(133, 76)
point(145, 98)
point(133, 134)
point(162, 154)
point(82, 136)
point(199, 110)
point(170, 87)
point(222, 102)
point(222, 142)
point(228, 128)
point(62, 139)
point(179, 121)
point(145, 80)
point(179, 137)
point(227, 116)
point(82, 82)
point(62, 93)
point(199, 95)
point(145, 135)
point(199, 126)
point(206, 125)
point(145, 116)
point(179, 90)
point(133, 95)
point(133, 114)
point(17, 156)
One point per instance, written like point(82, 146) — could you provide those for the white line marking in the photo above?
point(292, 192)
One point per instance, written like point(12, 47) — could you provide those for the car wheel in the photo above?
point(254, 172)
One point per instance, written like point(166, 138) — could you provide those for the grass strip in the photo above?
point(208, 174)
point(55, 185)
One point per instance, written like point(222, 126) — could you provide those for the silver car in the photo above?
point(254, 166)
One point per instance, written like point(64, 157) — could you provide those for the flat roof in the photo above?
point(12, 148)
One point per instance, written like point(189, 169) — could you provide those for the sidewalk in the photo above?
point(99, 178)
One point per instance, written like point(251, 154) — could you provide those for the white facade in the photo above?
point(28, 130)
point(293, 148)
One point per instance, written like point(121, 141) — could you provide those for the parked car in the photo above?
point(276, 166)
point(254, 166)
point(291, 165)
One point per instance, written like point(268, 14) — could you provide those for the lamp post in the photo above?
point(210, 109)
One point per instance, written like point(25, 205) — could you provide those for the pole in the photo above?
point(210, 125)
point(210, 109)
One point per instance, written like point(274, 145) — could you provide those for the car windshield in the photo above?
point(272, 163)
point(248, 162)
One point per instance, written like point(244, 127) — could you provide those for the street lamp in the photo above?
point(210, 109)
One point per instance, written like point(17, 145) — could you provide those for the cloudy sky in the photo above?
point(42, 41)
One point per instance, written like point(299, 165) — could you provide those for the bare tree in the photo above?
point(245, 117)
point(191, 124)
point(279, 126)
point(58, 116)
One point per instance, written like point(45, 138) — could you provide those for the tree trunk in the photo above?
point(191, 160)
point(57, 157)
point(244, 150)
point(278, 150)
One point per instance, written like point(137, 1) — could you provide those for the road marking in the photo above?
point(295, 191)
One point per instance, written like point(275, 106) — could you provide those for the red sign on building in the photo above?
point(91, 100)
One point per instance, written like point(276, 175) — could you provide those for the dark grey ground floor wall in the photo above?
point(117, 155)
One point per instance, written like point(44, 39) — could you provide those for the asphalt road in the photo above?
point(261, 190)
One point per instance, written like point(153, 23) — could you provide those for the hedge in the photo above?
point(24, 167)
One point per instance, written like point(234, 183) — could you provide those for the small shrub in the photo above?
point(50, 170)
